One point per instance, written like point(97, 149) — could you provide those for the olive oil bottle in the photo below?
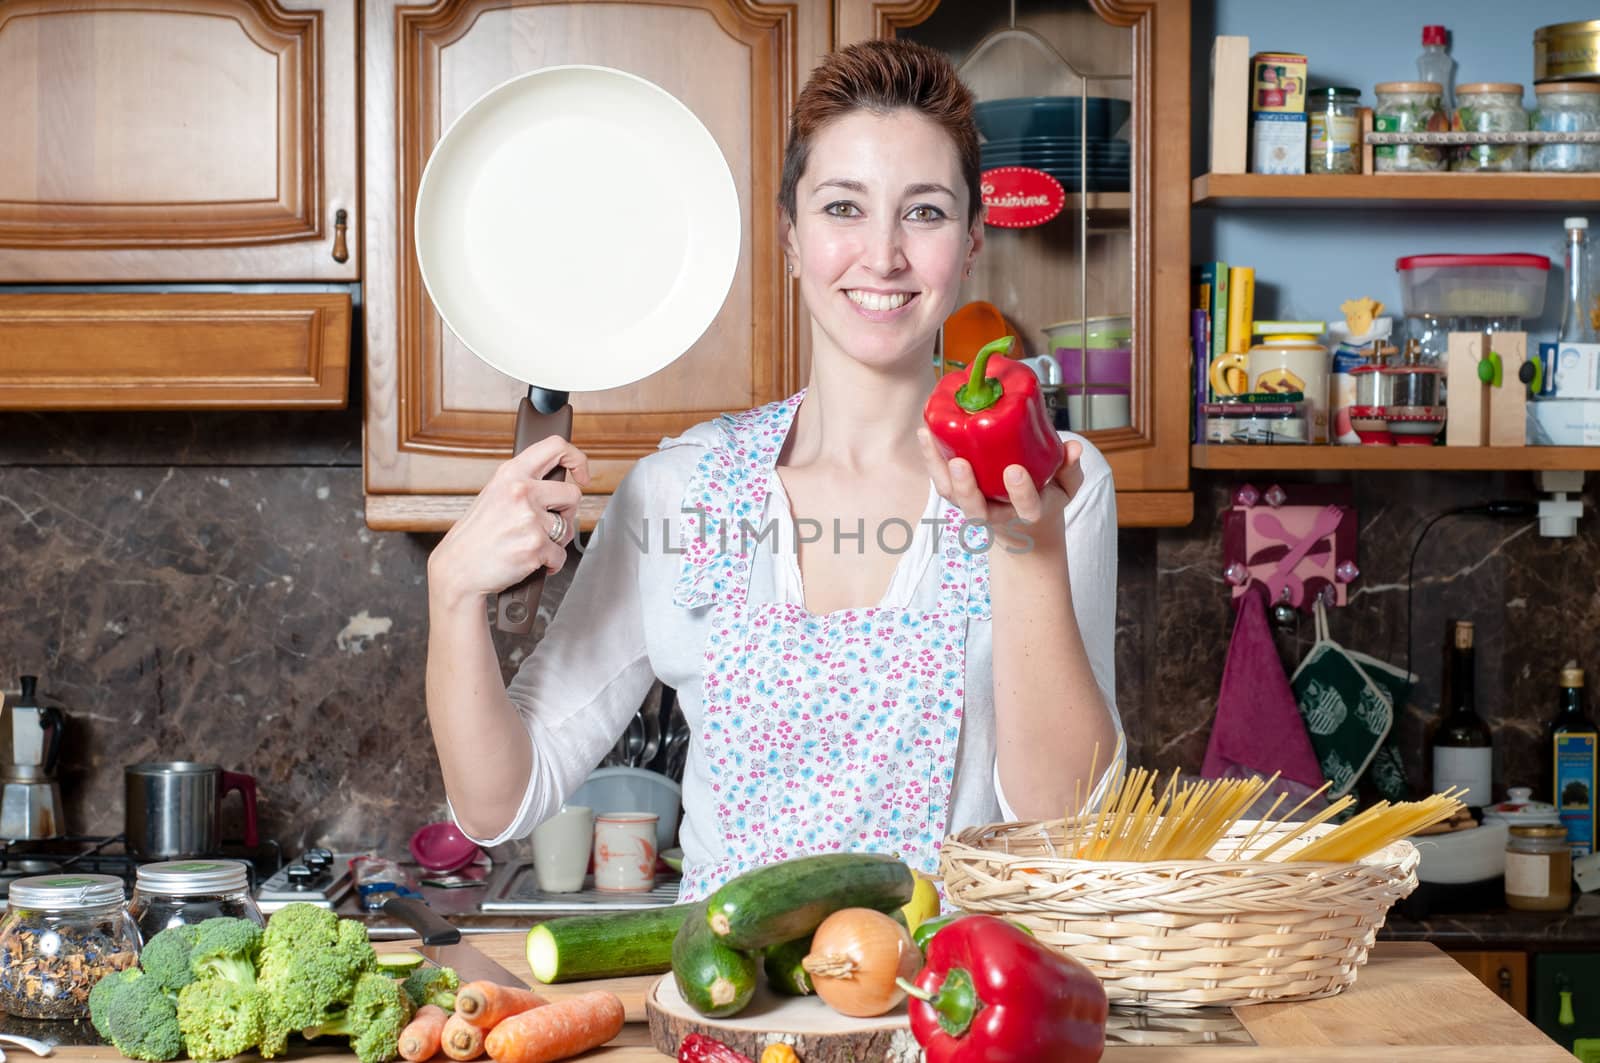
point(1572, 741)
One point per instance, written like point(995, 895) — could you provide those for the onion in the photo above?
point(856, 955)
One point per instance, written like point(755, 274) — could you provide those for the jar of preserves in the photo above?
point(178, 892)
point(1409, 107)
point(1490, 107)
point(1567, 107)
point(1538, 868)
point(1335, 129)
point(59, 936)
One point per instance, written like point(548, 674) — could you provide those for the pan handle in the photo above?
point(552, 416)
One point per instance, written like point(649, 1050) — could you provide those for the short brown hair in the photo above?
point(882, 76)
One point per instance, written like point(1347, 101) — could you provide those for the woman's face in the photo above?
point(880, 239)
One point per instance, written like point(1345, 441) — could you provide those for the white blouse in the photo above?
point(617, 630)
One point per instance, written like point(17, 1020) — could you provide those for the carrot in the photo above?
point(419, 1041)
point(460, 1039)
point(558, 1030)
point(486, 1004)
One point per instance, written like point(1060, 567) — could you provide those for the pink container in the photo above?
point(1110, 371)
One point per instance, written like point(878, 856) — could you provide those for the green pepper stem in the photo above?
point(981, 392)
point(957, 1002)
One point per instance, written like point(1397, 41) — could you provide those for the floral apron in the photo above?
point(821, 733)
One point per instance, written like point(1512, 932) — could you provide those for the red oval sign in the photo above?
point(1018, 197)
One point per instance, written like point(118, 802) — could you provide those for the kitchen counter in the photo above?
point(1506, 928)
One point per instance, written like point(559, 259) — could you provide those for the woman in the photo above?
point(858, 671)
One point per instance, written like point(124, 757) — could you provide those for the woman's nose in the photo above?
point(884, 254)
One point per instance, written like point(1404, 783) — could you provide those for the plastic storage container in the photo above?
point(179, 892)
point(59, 936)
point(1473, 285)
point(1567, 107)
point(1490, 107)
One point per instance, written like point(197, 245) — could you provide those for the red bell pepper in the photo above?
point(992, 994)
point(995, 420)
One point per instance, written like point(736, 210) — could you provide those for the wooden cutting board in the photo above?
point(818, 1033)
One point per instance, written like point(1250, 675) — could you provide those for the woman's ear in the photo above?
point(975, 235)
point(791, 252)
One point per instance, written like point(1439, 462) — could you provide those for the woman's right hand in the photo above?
point(505, 534)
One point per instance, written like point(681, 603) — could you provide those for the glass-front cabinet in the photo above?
point(1083, 117)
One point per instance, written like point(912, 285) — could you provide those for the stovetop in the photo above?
point(319, 877)
point(107, 855)
point(513, 888)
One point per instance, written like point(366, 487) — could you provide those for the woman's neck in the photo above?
point(858, 418)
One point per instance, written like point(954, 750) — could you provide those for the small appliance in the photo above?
point(30, 794)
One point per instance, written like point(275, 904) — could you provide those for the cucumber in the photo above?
point(783, 970)
point(399, 964)
point(714, 978)
point(605, 946)
point(788, 900)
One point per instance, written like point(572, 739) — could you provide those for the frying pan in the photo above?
point(578, 229)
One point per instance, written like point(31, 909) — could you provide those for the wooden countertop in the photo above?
point(1410, 1003)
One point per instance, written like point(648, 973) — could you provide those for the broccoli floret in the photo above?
point(433, 985)
point(219, 1018)
point(227, 948)
point(311, 961)
point(378, 1011)
point(100, 997)
point(165, 957)
point(142, 1021)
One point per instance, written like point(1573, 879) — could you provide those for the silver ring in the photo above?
point(559, 529)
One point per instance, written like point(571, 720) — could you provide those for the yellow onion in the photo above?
point(856, 955)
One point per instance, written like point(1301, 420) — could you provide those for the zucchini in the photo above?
point(782, 965)
point(788, 900)
point(716, 979)
point(399, 964)
point(605, 946)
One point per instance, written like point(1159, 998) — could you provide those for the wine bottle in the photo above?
point(1463, 754)
point(1572, 739)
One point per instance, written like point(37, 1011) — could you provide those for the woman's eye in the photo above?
point(842, 209)
point(925, 213)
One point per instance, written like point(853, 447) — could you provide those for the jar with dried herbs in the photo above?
point(1408, 107)
point(59, 936)
point(1490, 107)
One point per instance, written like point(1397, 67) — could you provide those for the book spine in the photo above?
point(1241, 307)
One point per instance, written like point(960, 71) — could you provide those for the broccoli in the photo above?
point(142, 1021)
point(433, 985)
point(311, 961)
point(100, 997)
point(378, 1011)
point(219, 1018)
point(227, 948)
point(165, 957)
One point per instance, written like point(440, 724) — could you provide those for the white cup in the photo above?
point(625, 851)
point(561, 849)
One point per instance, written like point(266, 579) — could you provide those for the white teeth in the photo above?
point(875, 301)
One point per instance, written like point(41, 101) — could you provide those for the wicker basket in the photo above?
point(1185, 933)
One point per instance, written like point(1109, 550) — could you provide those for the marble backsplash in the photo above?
point(204, 587)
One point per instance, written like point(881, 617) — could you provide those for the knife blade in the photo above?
point(441, 943)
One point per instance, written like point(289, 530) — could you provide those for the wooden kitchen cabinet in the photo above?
point(437, 419)
point(1505, 973)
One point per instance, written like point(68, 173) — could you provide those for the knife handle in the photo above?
point(515, 606)
point(432, 927)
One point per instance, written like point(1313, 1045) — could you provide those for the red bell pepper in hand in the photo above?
point(992, 994)
point(995, 420)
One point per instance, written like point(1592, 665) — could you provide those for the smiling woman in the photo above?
point(869, 652)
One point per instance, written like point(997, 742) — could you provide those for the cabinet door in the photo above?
point(172, 140)
point(1120, 246)
point(1505, 973)
point(438, 420)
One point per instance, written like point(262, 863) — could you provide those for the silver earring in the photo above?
point(791, 269)
point(969, 271)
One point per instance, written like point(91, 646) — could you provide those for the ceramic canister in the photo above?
point(1296, 364)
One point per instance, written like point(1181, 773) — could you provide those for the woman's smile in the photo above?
point(878, 305)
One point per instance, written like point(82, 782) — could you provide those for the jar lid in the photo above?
point(1335, 90)
point(1530, 831)
point(1590, 87)
point(66, 892)
point(1572, 677)
point(1504, 88)
point(1519, 811)
point(182, 877)
point(1515, 261)
point(1387, 87)
point(1561, 29)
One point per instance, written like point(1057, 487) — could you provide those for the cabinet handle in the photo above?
point(340, 224)
point(1505, 984)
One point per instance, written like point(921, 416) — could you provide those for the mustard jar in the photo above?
point(1538, 868)
point(59, 936)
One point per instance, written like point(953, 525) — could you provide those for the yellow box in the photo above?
point(1278, 82)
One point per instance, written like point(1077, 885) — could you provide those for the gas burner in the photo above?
point(318, 877)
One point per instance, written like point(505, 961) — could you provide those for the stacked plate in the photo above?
point(1048, 133)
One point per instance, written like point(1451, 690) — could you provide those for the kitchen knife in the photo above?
point(442, 944)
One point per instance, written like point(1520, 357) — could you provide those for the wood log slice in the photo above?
point(817, 1033)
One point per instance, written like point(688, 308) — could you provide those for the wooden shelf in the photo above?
point(1290, 458)
point(1427, 191)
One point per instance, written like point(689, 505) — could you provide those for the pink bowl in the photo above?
point(1111, 369)
point(442, 847)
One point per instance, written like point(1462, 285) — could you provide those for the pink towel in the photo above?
point(1259, 729)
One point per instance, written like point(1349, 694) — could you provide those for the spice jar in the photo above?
point(1408, 107)
point(1567, 107)
point(177, 892)
point(1335, 130)
point(60, 934)
point(1490, 107)
point(1538, 869)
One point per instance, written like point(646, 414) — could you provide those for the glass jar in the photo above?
point(1567, 107)
point(178, 892)
point(1490, 107)
point(1335, 130)
point(1408, 107)
point(59, 936)
point(1538, 869)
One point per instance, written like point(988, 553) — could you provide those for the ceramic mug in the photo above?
point(625, 851)
point(1301, 367)
point(561, 849)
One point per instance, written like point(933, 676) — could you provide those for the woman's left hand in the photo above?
point(1026, 505)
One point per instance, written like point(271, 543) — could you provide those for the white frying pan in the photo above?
point(578, 229)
